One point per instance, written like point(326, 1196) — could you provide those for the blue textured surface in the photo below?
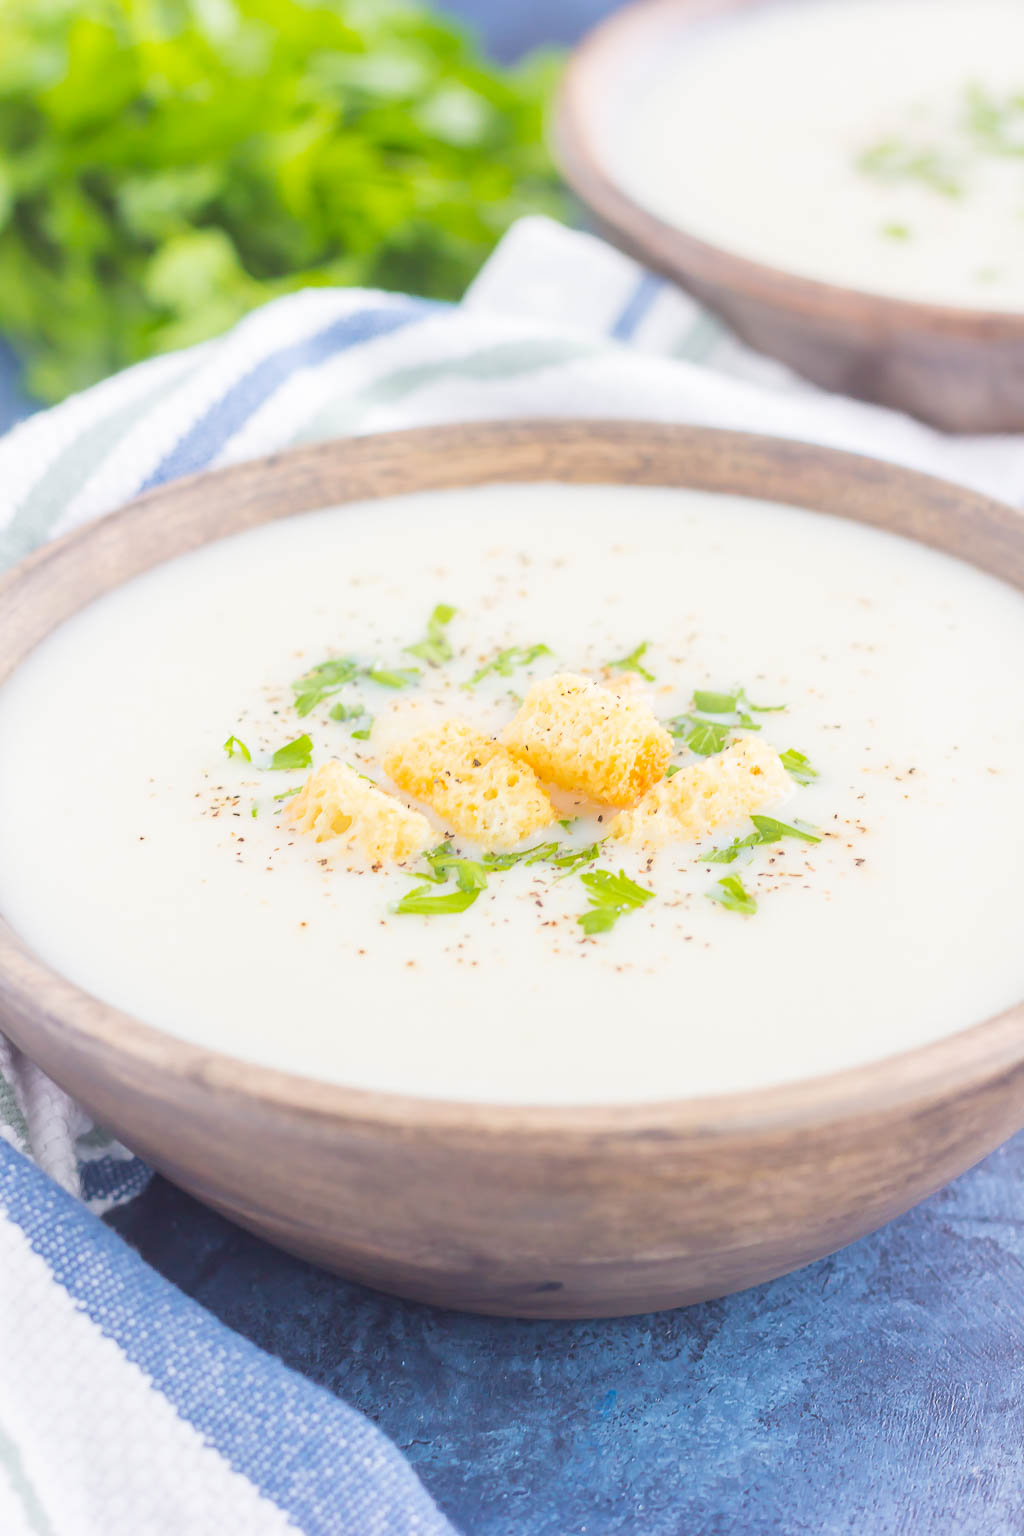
point(876, 1393)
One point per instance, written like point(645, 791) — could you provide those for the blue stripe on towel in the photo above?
point(644, 293)
point(325, 1465)
point(206, 437)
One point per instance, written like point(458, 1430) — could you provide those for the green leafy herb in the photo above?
point(505, 662)
point(233, 745)
point(895, 160)
point(772, 831)
point(296, 754)
point(286, 794)
point(896, 231)
point(706, 737)
point(436, 649)
point(610, 897)
point(997, 126)
point(363, 734)
point(170, 166)
point(798, 765)
point(539, 853)
point(470, 875)
point(348, 712)
point(766, 830)
point(398, 678)
point(577, 858)
point(733, 895)
point(254, 812)
point(568, 822)
point(672, 770)
point(710, 703)
point(322, 680)
point(424, 901)
point(632, 662)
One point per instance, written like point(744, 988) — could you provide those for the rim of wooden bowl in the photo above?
point(673, 249)
point(195, 510)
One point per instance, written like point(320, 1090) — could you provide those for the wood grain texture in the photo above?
point(960, 369)
point(534, 1212)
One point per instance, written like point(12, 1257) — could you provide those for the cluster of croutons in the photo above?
point(570, 733)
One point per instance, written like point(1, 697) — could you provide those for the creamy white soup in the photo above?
point(877, 144)
point(164, 875)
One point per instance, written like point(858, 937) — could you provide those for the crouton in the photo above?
point(580, 736)
point(477, 787)
point(745, 777)
point(335, 801)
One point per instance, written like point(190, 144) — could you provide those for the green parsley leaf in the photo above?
point(731, 852)
point(632, 662)
point(672, 770)
point(286, 794)
point(610, 897)
point(364, 733)
point(535, 855)
point(733, 895)
point(569, 821)
point(321, 680)
point(233, 745)
point(715, 703)
point(348, 712)
point(895, 160)
point(772, 831)
point(436, 648)
point(296, 754)
point(399, 678)
point(895, 231)
point(470, 875)
point(798, 766)
point(505, 662)
point(706, 738)
point(577, 858)
point(254, 812)
point(425, 902)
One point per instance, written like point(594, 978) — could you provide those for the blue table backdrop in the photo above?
point(877, 1392)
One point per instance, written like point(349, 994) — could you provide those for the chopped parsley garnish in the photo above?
point(709, 702)
point(567, 823)
point(399, 677)
point(424, 901)
point(254, 812)
point(772, 831)
point(672, 770)
point(896, 231)
point(632, 662)
point(610, 897)
point(233, 745)
point(348, 712)
point(296, 754)
point(505, 662)
point(539, 853)
point(322, 680)
point(470, 874)
point(363, 734)
point(733, 895)
point(766, 830)
point(706, 737)
point(798, 765)
point(436, 649)
point(577, 858)
point(286, 794)
point(895, 160)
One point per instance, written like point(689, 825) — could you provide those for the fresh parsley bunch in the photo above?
point(165, 165)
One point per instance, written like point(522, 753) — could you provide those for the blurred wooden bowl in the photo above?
point(533, 1212)
point(959, 369)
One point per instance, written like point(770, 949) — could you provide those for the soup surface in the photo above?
point(877, 144)
point(163, 875)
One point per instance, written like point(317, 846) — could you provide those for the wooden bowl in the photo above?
point(534, 1212)
point(960, 369)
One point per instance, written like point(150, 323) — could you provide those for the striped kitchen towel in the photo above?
point(124, 1408)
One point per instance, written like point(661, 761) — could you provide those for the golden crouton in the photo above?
point(477, 787)
point(745, 777)
point(580, 736)
point(336, 800)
